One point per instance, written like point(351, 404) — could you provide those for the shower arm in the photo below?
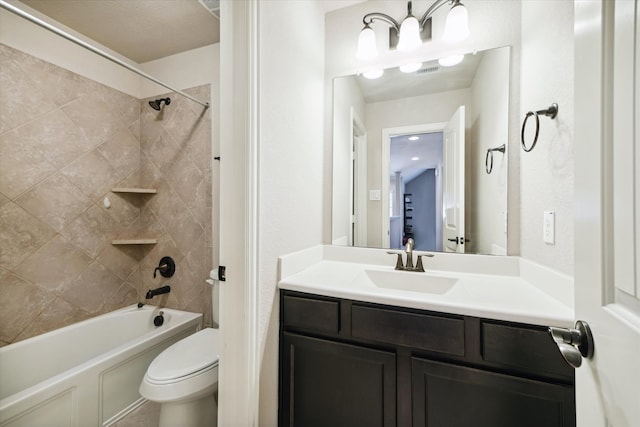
point(79, 42)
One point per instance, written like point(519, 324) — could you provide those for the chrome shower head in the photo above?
point(157, 104)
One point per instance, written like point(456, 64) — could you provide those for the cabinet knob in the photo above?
point(574, 344)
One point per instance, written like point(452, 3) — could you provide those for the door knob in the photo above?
point(574, 344)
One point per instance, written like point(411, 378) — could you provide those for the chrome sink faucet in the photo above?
point(408, 266)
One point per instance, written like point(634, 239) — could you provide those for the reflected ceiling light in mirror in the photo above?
point(415, 158)
point(450, 61)
point(414, 138)
point(373, 74)
point(412, 32)
point(410, 67)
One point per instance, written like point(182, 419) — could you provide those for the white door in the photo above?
point(453, 183)
point(607, 217)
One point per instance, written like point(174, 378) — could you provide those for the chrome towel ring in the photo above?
point(551, 112)
point(488, 160)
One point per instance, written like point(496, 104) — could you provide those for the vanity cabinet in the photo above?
point(351, 363)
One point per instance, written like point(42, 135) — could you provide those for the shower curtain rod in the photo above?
point(53, 29)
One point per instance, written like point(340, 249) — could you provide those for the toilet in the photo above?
point(184, 380)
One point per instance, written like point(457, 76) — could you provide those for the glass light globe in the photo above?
point(456, 27)
point(367, 48)
point(409, 34)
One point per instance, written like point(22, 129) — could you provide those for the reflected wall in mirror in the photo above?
point(389, 185)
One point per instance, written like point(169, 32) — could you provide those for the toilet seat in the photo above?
point(186, 358)
point(187, 369)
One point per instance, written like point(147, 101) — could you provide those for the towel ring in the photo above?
point(488, 160)
point(551, 112)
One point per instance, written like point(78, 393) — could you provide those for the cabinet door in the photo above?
point(325, 383)
point(454, 396)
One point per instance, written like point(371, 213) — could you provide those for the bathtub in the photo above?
point(88, 373)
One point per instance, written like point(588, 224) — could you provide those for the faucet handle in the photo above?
point(399, 265)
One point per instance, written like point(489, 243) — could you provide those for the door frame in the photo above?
point(238, 385)
point(358, 186)
point(385, 158)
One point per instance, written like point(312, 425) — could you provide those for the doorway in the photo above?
point(398, 171)
point(415, 190)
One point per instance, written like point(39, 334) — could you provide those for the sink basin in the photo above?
point(411, 281)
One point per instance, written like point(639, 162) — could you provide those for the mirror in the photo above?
point(412, 152)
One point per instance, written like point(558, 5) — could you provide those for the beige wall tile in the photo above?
point(55, 201)
point(92, 288)
point(21, 234)
point(22, 165)
point(91, 231)
point(92, 174)
point(22, 303)
point(54, 266)
point(21, 101)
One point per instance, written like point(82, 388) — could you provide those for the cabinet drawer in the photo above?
point(422, 331)
point(527, 348)
point(311, 314)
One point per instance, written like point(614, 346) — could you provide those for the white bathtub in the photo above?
point(88, 373)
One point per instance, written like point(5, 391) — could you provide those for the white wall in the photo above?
point(347, 96)
point(487, 127)
point(492, 24)
point(291, 155)
point(546, 181)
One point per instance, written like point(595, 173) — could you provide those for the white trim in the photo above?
point(252, 239)
point(385, 156)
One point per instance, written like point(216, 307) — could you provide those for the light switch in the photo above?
point(374, 194)
point(549, 227)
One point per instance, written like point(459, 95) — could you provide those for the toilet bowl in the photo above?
point(184, 380)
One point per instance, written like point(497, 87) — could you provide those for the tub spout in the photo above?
point(158, 291)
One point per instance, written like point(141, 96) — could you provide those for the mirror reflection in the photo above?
point(409, 154)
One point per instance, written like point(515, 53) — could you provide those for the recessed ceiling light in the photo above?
point(411, 67)
point(415, 158)
point(414, 138)
point(450, 61)
point(373, 74)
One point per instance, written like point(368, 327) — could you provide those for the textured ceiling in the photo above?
point(141, 30)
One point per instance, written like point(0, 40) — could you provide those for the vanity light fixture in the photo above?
point(412, 32)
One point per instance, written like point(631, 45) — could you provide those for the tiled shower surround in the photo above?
point(65, 142)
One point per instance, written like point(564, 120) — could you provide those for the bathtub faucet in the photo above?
point(158, 291)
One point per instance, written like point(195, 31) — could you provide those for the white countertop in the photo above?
point(501, 288)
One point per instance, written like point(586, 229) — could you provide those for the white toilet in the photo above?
point(183, 379)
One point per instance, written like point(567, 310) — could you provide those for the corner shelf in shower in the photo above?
point(137, 241)
point(134, 190)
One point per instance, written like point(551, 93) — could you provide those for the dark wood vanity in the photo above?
point(351, 363)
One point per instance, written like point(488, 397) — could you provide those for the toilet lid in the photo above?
point(192, 354)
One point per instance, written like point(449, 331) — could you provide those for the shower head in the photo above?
point(157, 104)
